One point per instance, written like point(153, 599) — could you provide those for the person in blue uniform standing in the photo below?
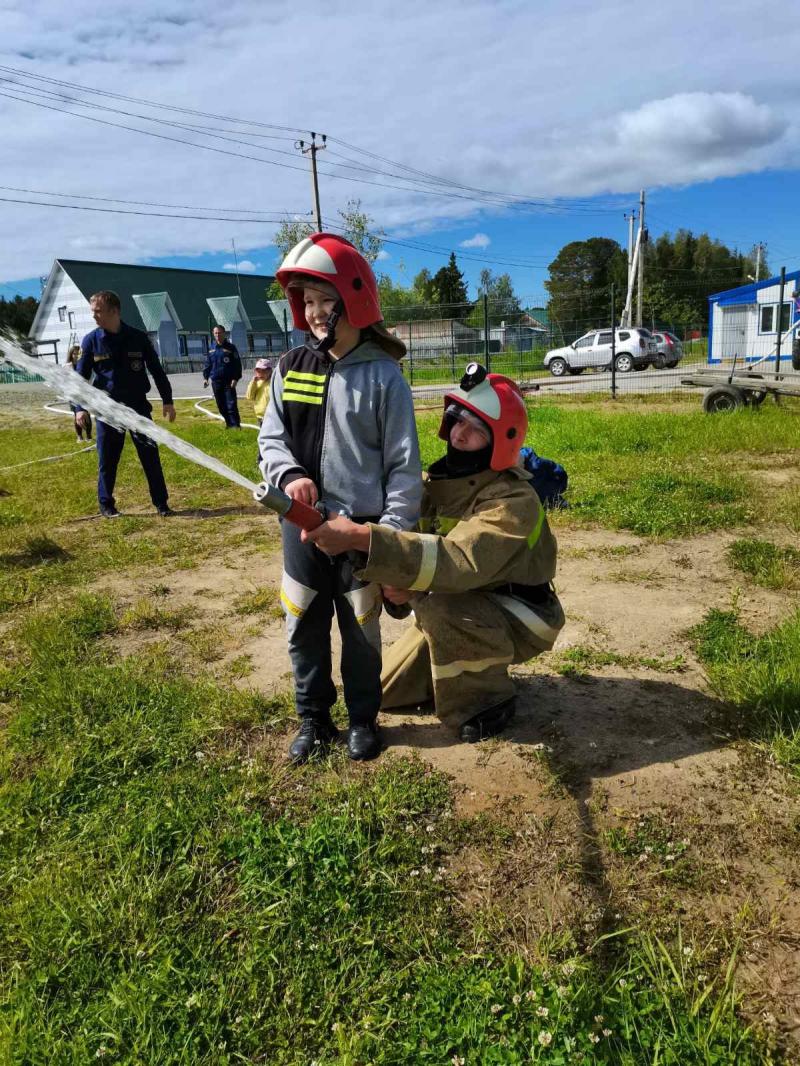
point(224, 369)
point(116, 358)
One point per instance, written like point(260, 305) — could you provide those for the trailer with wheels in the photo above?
point(728, 392)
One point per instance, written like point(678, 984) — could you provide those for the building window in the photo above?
point(767, 316)
point(62, 314)
point(194, 345)
point(257, 342)
point(72, 320)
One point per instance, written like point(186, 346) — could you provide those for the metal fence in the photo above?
point(578, 355)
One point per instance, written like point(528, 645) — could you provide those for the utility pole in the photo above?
point(758, 261)
point(236, 264)
point(311, 150)
point(631, 219)
point(642, 241)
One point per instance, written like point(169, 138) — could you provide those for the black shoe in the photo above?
point(109, 511)
point(363, 742)
point(314, 737)
point(165, 512)
point(489, 722)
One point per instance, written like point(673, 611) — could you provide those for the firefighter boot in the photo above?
point(488, 723)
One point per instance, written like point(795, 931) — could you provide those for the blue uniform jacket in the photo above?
point(120, 362)
point(223, 364)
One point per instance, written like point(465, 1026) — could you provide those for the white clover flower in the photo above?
point(688, 952)
point(543, 1012)
point(545, 1038)
point(622, 983)
point(599, 1018)
point(606, 1032)
point(413, 873)
point(496, 1008)
point(430, 828)
point(568, 969)
point(595, 1039)
point(457, 1060)
point(516, 999)
point(530, 994)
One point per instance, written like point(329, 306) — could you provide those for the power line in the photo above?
point(144, 214)
point(148, 103)
point(420, 181)
point(148, 203)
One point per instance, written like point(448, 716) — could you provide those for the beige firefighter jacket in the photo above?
point(476, 532)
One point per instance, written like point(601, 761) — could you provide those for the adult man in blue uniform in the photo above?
point(119, 357)
point(224, 369)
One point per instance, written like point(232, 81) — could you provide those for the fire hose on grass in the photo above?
point(77, 390)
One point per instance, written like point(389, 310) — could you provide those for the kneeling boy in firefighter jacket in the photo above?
point(477, 574)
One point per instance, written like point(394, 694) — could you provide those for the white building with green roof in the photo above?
point(176, 308)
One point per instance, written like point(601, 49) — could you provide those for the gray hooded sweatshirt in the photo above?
point(348, 424)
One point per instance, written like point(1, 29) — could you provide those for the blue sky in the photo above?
point(508, 97)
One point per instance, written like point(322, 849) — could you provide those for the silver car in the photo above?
point(635, 350)
point(670, 349)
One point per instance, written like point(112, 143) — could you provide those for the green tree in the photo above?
point(356, 225)
point(580, 284)
point(423, 286)
point(450, 288)
point(17, 315)
point(290, 233)
point(361, 231)
point(681, 272)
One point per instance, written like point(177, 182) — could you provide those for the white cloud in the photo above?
point(422, 97)
point(246, 266)
point(383, 255)
point(480, 240)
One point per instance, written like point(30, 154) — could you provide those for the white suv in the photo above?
point(635, 349)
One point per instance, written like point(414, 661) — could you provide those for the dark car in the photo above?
point(670, 349)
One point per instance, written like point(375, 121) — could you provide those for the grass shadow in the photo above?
point(37, 550)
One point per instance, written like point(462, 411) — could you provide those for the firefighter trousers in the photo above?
point(457, 652)
point(313, 586)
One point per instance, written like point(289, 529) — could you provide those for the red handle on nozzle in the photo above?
point(299, 514)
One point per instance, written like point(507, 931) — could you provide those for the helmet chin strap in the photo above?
point(328, 341)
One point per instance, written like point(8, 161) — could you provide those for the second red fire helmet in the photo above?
point(498, 402)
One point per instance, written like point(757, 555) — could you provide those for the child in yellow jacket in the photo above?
point(258, 391)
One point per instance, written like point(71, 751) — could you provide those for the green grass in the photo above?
point(759, 676)
point(259, 601)
point(577, 660)
point(659, 473)
point(766, 563)
point(47, 542)
point(169, 894)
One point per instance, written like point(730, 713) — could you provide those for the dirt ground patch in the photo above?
point(597, 762)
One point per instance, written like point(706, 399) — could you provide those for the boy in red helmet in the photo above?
point(339, 433)
point(478, 573)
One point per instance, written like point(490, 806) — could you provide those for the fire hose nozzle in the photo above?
point(299, 514)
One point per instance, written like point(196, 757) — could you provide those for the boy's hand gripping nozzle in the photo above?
point(299, 514)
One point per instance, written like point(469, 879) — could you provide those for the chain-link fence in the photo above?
point(559, 356)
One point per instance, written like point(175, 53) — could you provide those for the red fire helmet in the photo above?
point(498, 402)
point(333, 259)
